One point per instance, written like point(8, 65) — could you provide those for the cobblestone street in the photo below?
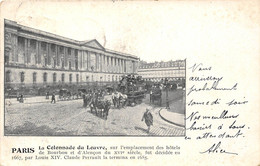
point(69, 118)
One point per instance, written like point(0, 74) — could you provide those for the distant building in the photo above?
point(156, 71)
point(34, 58)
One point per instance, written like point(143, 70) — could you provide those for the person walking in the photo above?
point(47, 95)
point(53, 98)
point(148, 118)
point(113, 99)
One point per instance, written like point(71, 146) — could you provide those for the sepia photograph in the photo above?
point(59, 86)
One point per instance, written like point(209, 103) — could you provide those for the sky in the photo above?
point(150, 30)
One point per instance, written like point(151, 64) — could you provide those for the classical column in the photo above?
point(101, 61)
point(15, 47)
point(89, 63)
point(85, 60)
point(122, 66)
point(25, 50)
point(28, 51)
point(112, 64)
point(65, 56)
point(115, 66)
point(97, 65)
point(105, 62)
point(80, 52)
point(38, 45)
point(48, 53)
point(125, 66)
point(56, 55)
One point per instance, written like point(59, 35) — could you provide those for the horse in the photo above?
point(103, 108)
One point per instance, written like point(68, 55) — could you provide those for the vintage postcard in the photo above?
point(130, 82)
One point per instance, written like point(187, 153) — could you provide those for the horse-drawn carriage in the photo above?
point(65, 94)
point(134, 88)
point(156, 96)
point(98, 105)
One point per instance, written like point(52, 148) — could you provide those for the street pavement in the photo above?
point(69, 118)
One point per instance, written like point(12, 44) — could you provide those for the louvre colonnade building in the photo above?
point(35, 57)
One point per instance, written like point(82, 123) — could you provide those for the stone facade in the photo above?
point(172, 70)
point(37, 57)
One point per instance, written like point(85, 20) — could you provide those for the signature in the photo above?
point(215, 148)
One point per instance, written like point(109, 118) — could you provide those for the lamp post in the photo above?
point(167, 99)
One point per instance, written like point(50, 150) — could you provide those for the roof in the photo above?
point(93, 43)
point(177, 63)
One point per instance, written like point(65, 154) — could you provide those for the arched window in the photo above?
point(22, 77)
point(34, 77)
point(8, 76)
point(44, 77)
point(70, 78)
point(54, 77)
point(62, 77)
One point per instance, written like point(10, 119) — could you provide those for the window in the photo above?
point(70, 78)
point(54, 77)
point(44, 77)
point(34, 77)
point(62, 77)
point(8, 76)
point(87, 78)
point(22, 77)
point(77, 78)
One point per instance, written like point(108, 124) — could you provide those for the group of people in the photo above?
point(20, 98)
point(95, 99)
point(119, 99)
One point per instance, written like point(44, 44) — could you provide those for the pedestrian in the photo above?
point(47, 95)
point(151, 94)
point(124, 97)
point(17, 97)
point(21, 98)
point(53, 98)
point(148, 118)
point(113, 99)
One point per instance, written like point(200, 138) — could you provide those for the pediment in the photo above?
point(94, 44)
